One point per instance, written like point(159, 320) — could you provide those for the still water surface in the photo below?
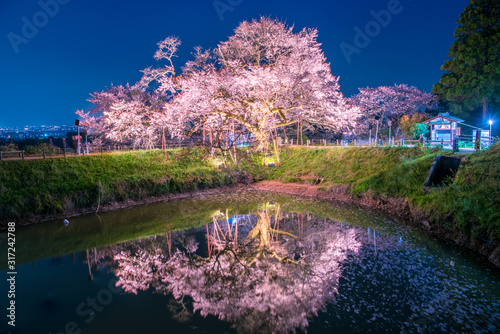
point(246, 262)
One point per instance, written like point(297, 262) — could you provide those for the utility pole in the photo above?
point(77, 123)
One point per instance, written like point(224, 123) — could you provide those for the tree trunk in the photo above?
point(298, 129)
point(301, 130)
point(164, 144)
point(276, 147)
point(203, 133)
point(485, 109)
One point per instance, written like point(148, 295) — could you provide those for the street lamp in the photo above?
point(490, 122)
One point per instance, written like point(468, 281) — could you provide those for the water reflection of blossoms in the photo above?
point(266, 272)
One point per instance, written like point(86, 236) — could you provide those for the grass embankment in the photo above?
point(33, 189)
point(37, 188)
point(470, 206)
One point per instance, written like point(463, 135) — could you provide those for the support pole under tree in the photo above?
point(390, 123)
point(164, 143)
point(376, 135)
point(86, 143)
point(298, 128)
point(276, 146)
point(301, 130)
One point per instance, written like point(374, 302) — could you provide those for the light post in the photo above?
point(490, 122)
point(77, 123)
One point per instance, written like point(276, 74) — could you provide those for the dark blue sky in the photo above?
point(85, 45)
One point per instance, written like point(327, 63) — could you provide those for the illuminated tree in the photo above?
point(136, 113)
point(390, 103)
point(412, 126)
point(263, 77)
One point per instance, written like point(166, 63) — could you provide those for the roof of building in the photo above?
point(444, 116)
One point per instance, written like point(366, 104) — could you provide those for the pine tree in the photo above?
point(473, 70)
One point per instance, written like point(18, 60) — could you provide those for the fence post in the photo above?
point(337, 142)
point(44, 153)
point(0, 155)
point(455, 147)
point(22, 154)
point(442, 143)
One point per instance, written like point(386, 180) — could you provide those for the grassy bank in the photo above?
point(34, 188)
point(470, 206)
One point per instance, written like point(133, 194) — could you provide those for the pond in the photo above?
point(245, 262)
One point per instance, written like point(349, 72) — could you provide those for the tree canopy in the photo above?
point(473, 70)
point(263, 77)
point(386, 104)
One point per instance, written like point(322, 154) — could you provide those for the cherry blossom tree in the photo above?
point(136, 113)
point(264, 77)
point(390, 103)
point(94, 125)
point(128, 114)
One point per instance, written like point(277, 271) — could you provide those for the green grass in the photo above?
point(351, 166)
point(52, 186)
point(471, 205)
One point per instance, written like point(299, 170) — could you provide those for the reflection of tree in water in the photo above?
point(269, 274)
point(272, 271)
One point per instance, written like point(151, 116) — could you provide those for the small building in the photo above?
point(444, 126)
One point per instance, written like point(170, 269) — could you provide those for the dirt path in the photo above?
point(308, 190)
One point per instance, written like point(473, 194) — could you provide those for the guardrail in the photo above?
point(21, 153)
point(92, 149)
point(58, 152)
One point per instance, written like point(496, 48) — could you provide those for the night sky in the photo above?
point(85, 45)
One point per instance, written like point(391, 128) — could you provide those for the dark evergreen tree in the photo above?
point(473, 70)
